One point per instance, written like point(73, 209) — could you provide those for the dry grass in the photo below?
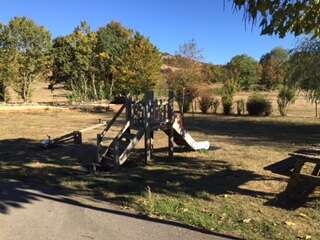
point(225, 189)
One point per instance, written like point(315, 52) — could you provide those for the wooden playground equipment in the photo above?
point(142, 119)
point(72, 137)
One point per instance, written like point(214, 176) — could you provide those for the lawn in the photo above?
point(225, 189)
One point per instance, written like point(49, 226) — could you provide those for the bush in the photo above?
point(227, 104)
point(215, 105)
point(258, 105)
point(240, 107)
point(286, 97)
point(205, 103)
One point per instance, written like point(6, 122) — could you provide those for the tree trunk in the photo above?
point(111, 88)
point(93, 81)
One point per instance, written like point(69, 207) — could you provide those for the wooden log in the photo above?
point(149, 96)
point(306, 177)
point(78, 137)
point(306, 157)
point(170, 125)
point(116, 154)
point(68, 135)
point(92, 127)
point(109, 124)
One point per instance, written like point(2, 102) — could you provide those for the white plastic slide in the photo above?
point(197, 146)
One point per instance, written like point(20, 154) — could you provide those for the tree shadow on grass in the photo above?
point(255, 131)
point(24, 160)
point(29, 173)
point(300, 190)
point(298, 193)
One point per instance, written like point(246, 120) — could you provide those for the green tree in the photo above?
point(304, 65)
point(76, 64)
point(213, 73)
point(3, 64)
point(274, 67)
point(113, 42)
point(144, 61)
point(245, 70)
point(27, 47)
point(286, 96)
point(129, 62)
point(283, 16)
point(62, 55)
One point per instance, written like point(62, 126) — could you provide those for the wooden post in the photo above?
point(171, 119)
point(116, 154)
point(98, 160)
point(147, 128)
point(129, 110)
point(77, 137)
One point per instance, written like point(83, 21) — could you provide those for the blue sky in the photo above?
point(219, 32)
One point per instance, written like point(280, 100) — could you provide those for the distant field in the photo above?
point(301, 109)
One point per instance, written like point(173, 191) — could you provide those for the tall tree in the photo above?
point(75, 63)
point(245, 70)
point(274, 67)
point(3, 69)
point(27, 47)
point(283, 16)
point(130, 62)
point(144, 61)
point(113, 44)
point(304, 68)
point(186, 80)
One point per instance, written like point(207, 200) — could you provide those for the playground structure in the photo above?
point(142, 119)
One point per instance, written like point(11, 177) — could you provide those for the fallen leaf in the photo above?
point(247, 220)
point(303, 215)
point(289, 223)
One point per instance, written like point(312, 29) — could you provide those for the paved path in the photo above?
point(44, 216)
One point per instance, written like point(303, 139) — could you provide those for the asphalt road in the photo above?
point(28, 214)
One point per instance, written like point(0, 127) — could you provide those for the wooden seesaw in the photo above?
point(71, 137)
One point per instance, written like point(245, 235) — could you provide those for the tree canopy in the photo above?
point(25, 49)
point(304, 68)
point(274, 67)
point(282, 16)
point(245, 70)
point(113, 61)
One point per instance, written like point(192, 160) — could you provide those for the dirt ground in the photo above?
point(225, 189)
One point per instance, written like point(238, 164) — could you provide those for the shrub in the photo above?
point(215, 105)
point(286, 96)
point(240, 107)
point(227, 104)
point(205, 103)
point(258, 105)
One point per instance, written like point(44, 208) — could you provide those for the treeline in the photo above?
point(286, 71)
point(266, 74)
point(115, 61)
point(93, 65)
